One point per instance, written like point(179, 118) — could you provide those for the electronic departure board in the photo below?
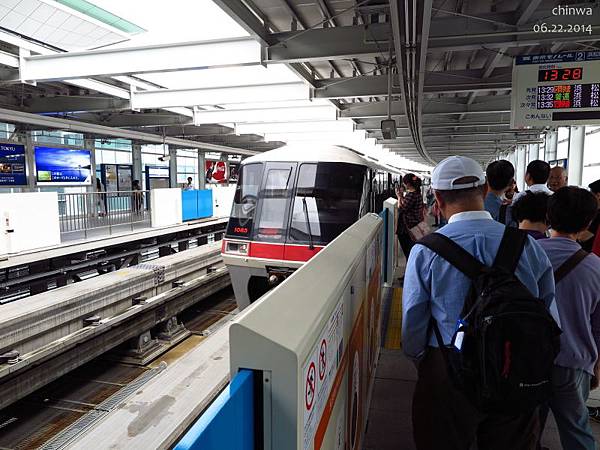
point(556, 89)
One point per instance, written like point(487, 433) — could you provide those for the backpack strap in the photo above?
point(510, 250)
point(502, 214)
point(569, 265)
point(453, 253)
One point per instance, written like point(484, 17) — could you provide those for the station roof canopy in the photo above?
point(254, 74)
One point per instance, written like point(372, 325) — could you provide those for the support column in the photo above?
point(551, 145)
point(90, 144)
point(576, 148)
point(29, 161)
point(173, 167)
point(226, 161)
point(136, 160)
point(521, 167)
point(201, 169)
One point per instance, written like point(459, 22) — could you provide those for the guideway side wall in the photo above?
point(316, 340)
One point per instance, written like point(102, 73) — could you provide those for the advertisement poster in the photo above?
point(109, 177)
point(55, 165)
point(234, 170)
point(12, 165)
point(124, 172)
point(216, 172)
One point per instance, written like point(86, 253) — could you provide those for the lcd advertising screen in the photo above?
point(125, 177)
point(12, 165)
point(59, 166)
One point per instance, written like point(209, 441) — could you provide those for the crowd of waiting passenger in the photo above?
point(500, 305)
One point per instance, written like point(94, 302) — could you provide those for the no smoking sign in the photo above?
point(309, 390)
point(322, 359)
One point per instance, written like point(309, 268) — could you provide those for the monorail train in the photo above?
point(290, 203)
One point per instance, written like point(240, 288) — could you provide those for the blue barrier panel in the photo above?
point(205, 203)
point(228, 423)
point(189, 205)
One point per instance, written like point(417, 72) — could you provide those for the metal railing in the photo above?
point(82, 213)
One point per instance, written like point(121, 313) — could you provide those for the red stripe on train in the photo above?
point(282, 252)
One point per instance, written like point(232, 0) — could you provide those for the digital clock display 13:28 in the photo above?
point(567, 74)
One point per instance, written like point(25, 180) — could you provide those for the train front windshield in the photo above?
point(245, 201)
point(306, 203)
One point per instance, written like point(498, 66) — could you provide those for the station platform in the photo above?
point(389, 425)
point(103, 240)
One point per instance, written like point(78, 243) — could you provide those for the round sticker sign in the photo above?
point(322, 359)
point(309, 390)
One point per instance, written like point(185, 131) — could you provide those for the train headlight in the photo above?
point(238, 248)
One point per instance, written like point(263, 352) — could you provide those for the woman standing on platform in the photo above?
point(410, 210)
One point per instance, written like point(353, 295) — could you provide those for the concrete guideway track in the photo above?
point(169, 403)
point(53, 337)
point(63, 411)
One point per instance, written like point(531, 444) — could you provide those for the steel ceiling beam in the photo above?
point(435, 82)
point(435, 122)
point(228, 95)
point(500, 134)
point(135, 120)
point(148, 59)
point(496, 105)
point(525, 11)
point(34, 120)
point(66, 104)
point(372, 40)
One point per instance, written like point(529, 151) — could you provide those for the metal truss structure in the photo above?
point(450, 64)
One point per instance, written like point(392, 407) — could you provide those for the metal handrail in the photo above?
point(82, 212)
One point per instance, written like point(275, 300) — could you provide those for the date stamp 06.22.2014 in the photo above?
point(569, 19)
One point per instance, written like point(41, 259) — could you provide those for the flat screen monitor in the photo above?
point(12, 165)
point(63, 166)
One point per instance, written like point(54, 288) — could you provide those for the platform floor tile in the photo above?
point(389, 426)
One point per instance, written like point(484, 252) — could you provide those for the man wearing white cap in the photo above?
point(434, 293)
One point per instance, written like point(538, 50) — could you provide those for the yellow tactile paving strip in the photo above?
point(393, 336)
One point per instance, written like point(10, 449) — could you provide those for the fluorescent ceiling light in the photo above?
point(163, 98)
point(295, 127)
point(307, 113)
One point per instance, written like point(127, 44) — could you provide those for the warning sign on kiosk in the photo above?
point(310, 388)
point(319, 371)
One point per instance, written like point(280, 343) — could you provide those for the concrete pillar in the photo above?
point(201, 169)
point(226, 161)
point(136, 160)
point(551, 145)
point(29, 161)
point(541, 150)
point(90, 144)
point(520, 167)
point(173, 167)
point(576, 147)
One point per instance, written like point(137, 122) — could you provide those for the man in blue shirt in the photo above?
point(500, 175)
point(576, 368)
point(443, 418)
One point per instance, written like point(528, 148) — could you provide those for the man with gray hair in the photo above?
point(434, 294)
point(558, 178)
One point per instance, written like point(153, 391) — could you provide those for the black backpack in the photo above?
point(509, 339)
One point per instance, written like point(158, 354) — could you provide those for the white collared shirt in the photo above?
point(534, 188)
point(470, 215)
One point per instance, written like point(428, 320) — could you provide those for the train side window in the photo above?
point(327, 201)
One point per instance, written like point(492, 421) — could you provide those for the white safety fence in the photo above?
point(122, 210)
